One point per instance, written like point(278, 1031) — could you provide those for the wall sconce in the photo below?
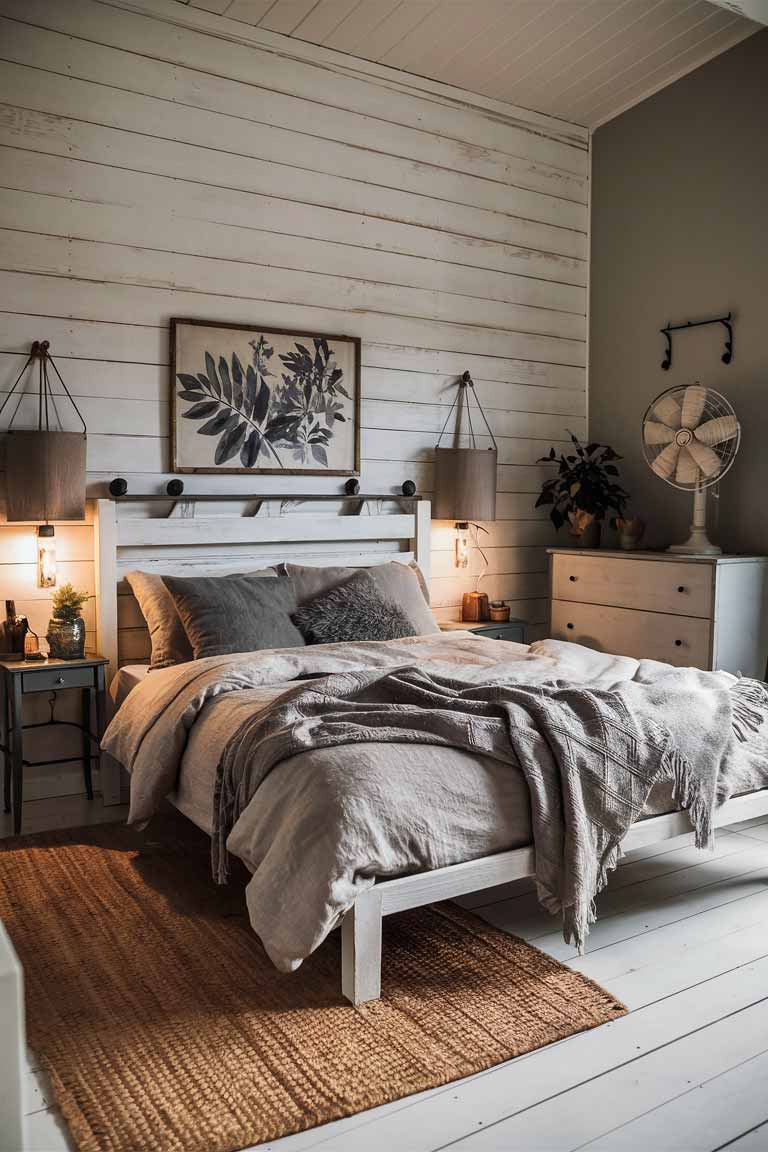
point(46, 556)
point(45, 467)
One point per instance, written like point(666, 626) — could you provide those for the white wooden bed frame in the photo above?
point(130, 536)
point(188, 541)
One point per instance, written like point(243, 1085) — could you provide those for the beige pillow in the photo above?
point(170, 643)
point(402, 583)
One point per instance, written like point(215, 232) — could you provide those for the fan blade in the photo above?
point(687, 471)
point(655, 433)
point(667, 411)
point(707, 460)
point(664, 464)
point(694, 400)
point(717, 431)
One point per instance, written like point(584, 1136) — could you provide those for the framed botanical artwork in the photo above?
point(263, 400)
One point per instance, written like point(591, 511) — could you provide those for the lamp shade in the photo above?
point(465, 484)
point(45, 475)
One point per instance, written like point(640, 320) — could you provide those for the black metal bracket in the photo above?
point(726, 321)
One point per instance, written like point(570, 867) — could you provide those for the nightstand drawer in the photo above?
point(684, 589)
point(680, 640)
point(513, 631)
point(51, 679)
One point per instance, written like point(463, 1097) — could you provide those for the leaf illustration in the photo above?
point(319, 454)
point(251, 390)
point(205, 382)
point(237, 381)
point(262, 403)
point(226, 383)
point(199, 411)
point(189, 381)
point(188, 394)
point(210, 368)
point(250, 449)
point(219, 423)
point(231, 442)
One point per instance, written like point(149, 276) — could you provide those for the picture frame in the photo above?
point(254, 399)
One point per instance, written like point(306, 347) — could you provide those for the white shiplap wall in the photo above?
point(157, 160)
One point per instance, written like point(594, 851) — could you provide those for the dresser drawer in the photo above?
point(651, 585)
point(51, 679)
point(680, 640)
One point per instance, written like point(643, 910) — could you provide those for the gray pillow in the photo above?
point(224, 614)
point(354, 610)
point(401, 583)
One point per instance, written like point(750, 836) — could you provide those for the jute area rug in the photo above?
point(162, 1025)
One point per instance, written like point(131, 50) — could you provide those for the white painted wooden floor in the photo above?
point(683, 940)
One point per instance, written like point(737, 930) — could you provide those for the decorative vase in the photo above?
point(590, 536)
point(66, 639)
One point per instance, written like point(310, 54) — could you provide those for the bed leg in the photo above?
point(361, 949)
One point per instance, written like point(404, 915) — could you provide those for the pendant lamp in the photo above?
point(465, 489)
point(45, 466)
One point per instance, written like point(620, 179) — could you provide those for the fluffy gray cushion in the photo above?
point(400, 583)
point(354, 610)
point(224, 614)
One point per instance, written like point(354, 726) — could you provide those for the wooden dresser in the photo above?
point(702, 612)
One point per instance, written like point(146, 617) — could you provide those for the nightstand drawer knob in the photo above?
point(678, 643)
point(681, 588)
point(572, 579)
point(569, 626)
point(60, 680)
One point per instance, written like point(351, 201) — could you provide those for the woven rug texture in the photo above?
point(162, 1025)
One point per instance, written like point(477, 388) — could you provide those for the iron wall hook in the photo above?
point(726, 321)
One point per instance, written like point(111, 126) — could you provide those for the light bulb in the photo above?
point(46, 557)
point(461, 559)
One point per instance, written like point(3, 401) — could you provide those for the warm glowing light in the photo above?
point(46, 557)
point(462, 545)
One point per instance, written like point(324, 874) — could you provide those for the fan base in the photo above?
point(697, 544)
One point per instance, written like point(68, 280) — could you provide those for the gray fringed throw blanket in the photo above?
point(590, 757)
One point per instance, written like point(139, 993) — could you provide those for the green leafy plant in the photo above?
point(68, 602)
point(584, 488)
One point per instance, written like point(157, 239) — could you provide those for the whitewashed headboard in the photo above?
point(204, 536)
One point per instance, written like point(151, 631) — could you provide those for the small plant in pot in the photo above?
point(66, 631)
point(584, 490)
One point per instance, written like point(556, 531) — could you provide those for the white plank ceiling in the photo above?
point(582, 60)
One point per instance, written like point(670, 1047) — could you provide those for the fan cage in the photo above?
point(715, 405)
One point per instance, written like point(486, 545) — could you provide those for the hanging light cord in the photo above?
point(474, 529)
point(465, 381)
point(40, 351)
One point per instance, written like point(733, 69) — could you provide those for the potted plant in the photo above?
point(583, 492)
point(66, 631)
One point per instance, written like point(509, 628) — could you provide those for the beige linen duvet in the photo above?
point(325, 824)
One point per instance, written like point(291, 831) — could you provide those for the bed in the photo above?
point(491, 806)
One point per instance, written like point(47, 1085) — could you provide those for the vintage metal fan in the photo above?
point(690, 439)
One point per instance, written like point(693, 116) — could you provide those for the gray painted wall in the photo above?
point(680, 231)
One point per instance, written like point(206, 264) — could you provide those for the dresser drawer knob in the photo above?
point(569, 625)
point(572, 579)
point(681, 588)
point(678, 643)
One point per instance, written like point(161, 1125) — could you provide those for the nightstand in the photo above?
point(513, 630)
point(22, 678)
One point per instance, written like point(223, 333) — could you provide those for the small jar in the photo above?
point(499, 611)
